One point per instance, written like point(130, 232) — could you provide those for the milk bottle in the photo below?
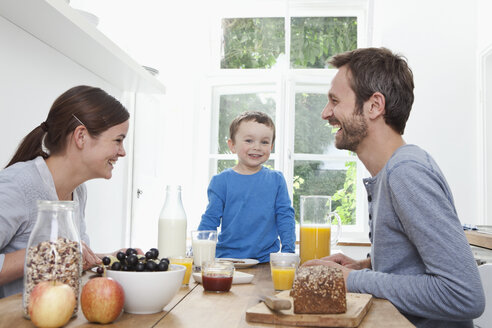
point(172, 225)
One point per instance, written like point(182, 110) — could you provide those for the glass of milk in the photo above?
point(203, 244)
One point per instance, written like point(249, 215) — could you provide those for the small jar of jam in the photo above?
point(217, 276)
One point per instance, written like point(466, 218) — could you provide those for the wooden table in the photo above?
point(192, 307)
point(479, 239)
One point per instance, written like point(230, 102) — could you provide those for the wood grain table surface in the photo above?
point(193, 307)
point(479, 239)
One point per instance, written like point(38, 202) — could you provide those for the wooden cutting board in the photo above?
point(357, 307)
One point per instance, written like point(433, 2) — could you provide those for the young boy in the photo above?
point(249, 200)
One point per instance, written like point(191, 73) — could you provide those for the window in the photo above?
point(276, 63)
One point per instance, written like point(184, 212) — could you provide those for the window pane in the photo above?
point(252, 42)
point(312, 134)
point(227, 163)
point(233, 105)
point(315, 39)
point(327, 178)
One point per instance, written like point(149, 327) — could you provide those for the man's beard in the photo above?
point(353, 132)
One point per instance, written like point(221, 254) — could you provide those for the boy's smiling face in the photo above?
point(253, 145)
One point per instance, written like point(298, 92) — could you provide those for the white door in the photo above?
point(148, 190)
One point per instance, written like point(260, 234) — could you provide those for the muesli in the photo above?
point(60, 261)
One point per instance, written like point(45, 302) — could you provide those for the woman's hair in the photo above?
point(255, 116)
point(81, 105)
point(379, 70)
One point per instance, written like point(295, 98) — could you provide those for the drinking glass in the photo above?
point(283, 267)
point(316, 238)
point(203, 245)
point(217, 276)
point(185, 261)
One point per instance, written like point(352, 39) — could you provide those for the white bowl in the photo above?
point(149, 292)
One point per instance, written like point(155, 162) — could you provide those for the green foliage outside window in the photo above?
point(312, 135)
point(252, 42)
point(316, 181)
point(315, 39)
point(258, 42)
point(344, 198)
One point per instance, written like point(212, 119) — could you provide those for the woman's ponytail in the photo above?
point(31, 146)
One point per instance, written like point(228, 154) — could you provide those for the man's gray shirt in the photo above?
point(421, 259)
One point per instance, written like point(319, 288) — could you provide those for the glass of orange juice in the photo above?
point(316, 238)
point(187, 262)
point(283, 267)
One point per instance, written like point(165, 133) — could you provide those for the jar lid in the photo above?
point(56, 204)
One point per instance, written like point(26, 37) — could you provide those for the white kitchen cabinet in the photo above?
point(46, 47)
point(61, 27)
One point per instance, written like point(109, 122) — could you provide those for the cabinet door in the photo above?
point(148, 190)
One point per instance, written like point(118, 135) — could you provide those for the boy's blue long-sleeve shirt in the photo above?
point(253, 211)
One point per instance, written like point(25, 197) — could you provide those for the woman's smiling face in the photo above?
point(104, 150)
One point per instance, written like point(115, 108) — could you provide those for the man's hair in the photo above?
point(255, 116)
point(379, 70)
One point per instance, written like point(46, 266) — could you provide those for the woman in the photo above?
point(81, 139)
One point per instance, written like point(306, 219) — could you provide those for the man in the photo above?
point(420, 259)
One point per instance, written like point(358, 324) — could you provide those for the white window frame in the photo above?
point(282, 82)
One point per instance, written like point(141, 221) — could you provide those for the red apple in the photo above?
point(102, 300)
point(51, 304)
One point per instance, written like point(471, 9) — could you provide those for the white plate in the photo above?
point(241, 263)
point(238, 278)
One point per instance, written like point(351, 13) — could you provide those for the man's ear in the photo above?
point(377, 105)
point(230, 144)
point(80, 136)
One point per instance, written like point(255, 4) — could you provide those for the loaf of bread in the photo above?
point(319, 289)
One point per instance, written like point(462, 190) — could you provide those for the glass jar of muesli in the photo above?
point(54, 251)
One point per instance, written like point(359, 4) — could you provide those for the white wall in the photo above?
point(484, 53)
point(484, 25)
point(439, 38)
point(32, 76)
